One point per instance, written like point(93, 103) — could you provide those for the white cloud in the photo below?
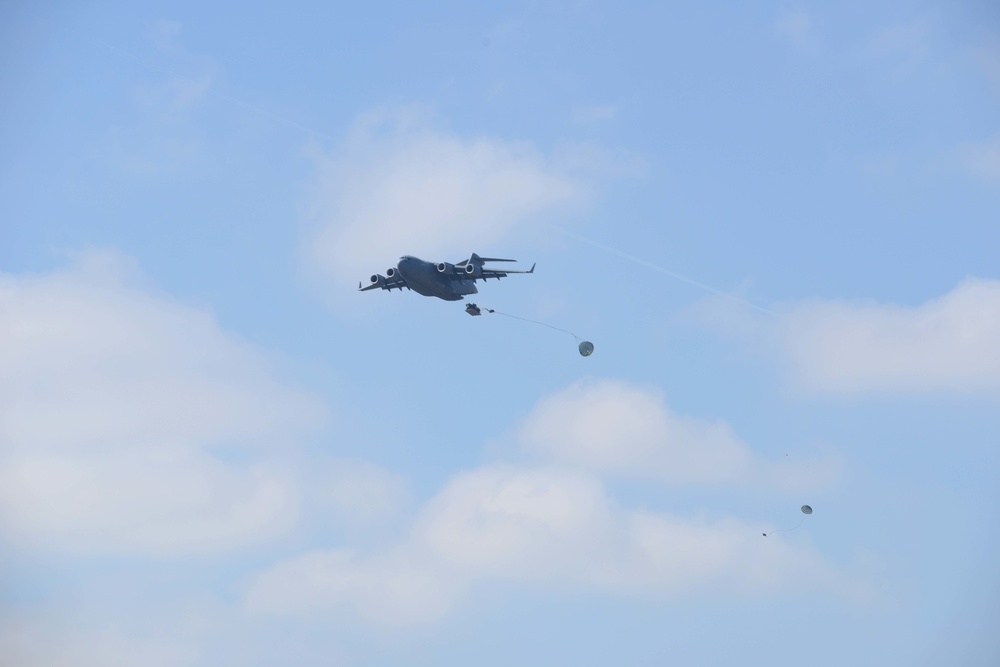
point(148, 501)
point(796, 27)
point(399, 587)
point(987, 57)
point(164, 35)
point(618, 428)
point(45, 643)
point(116, 364)
point(173, 97)
point(903, 47)
point(505, 521)
point(592, 115)
point(353, 490)
point(512, 524)
point(556, 523)
point(159, 136)
point(398, 186)
point(130, 423)
point(152, 617)
point(951, 342)
point(982, 159)
point(909, 38)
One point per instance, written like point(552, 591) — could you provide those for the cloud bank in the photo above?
point(947, 343)
point(133, 424)
point(553, 521)
point(624, 430)
point(532, 524)
point(399, 186)
point(982, 159)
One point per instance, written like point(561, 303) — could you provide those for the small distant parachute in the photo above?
point(587, 348)
point(806, 509)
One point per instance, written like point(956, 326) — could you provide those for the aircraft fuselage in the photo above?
point(424, 278)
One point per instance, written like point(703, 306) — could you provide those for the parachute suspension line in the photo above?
point(585, 347)
point(805, 509)
point(787, 530)
point(525, 319)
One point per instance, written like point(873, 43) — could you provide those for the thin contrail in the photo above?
point(666, 272)
point(273, 116)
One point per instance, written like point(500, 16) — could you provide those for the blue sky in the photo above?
point(776, 221)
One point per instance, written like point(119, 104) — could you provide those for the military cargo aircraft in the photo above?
point(450, 282)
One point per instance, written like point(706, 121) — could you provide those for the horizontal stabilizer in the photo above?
point(478, 260)
point(500, 273)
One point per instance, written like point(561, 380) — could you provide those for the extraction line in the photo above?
point(525, 319)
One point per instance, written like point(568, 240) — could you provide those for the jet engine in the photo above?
point(470, 268)
point(376, 279)
point(391, 272)
point(445, 267)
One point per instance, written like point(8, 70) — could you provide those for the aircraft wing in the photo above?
point(486, 273)
point(379, 281)
point(473, 269)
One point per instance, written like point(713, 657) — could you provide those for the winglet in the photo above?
point(532, 269)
